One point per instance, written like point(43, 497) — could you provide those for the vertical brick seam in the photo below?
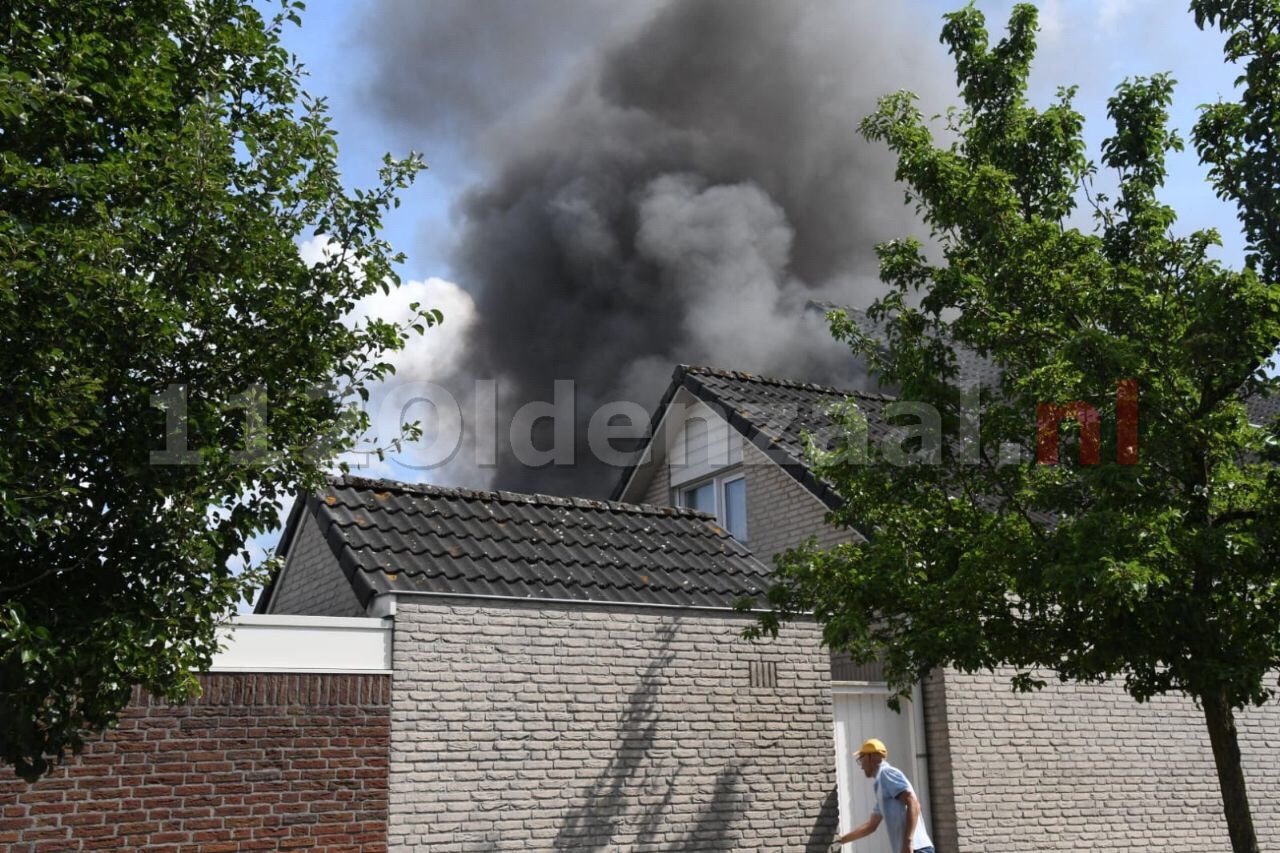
point(258, 762)
point(941, 798)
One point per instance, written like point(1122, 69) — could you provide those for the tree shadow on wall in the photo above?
point(634, 794)
point(824, 828)
point(713, 829)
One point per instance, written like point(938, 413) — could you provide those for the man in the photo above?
point(896, 804)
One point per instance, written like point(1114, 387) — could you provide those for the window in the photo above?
point(725, 497)
point(734, 517)
point(701, 498)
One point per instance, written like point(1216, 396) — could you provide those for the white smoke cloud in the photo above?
point(413, 392)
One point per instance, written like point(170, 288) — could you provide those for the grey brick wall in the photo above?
point(1076, 767)
point(312, 584)
point(781, 513)
point(942, 807)
point(535, 727)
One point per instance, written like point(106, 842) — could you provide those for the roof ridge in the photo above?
point(502, 496)
point(741, 376)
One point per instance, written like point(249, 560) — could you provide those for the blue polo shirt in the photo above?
point(889, 783)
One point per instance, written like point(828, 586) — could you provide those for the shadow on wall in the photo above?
point(641, 798)
point(824, 828)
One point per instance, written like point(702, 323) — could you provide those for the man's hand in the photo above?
point(836, 847)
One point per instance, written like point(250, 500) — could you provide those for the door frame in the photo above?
point(917, 768)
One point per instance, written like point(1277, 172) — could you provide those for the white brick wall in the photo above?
point(659, 491)
point(533, 727)
point(1077, 767)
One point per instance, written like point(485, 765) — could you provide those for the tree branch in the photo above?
point(1234, 516)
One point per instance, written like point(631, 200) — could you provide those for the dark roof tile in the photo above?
point(390, 536)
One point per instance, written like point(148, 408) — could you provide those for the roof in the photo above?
point(393, 537)
point(773, 414)
point(1262, 410)
point(971, 366)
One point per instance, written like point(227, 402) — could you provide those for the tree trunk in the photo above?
point(1226, 755)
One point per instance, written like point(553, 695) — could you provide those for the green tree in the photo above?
point(1160, 574)
point(159, 163)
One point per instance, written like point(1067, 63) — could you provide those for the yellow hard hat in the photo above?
point(874, 747)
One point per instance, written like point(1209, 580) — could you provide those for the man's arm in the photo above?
point(862, 831)
point(908, 799)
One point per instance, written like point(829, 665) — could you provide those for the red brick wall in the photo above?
point(259, 762)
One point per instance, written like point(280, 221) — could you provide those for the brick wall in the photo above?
point(534, 727)
point(658, 491)
point(942, 806)
point(312, 583)
point(781, 513)
point(259, 762)
point(1077, 767)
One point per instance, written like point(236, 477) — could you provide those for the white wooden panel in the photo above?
point(704, 444)
point(304, 644)
point(861, 713)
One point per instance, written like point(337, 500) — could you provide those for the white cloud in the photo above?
point(434, 353)
point(318, 248)
point(1051, 21)
point(427, 363)
point(1112, 13)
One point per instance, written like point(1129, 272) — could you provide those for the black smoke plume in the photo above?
point(656, 183)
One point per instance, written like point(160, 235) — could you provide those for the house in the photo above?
point(570, 674)
point(1071, 767)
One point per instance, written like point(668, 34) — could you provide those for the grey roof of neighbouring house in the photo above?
point(971, 366)
point(774, 414)
point(392, 537)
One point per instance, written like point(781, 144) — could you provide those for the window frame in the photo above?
point(719, 481)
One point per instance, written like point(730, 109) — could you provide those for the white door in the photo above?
point(861, 713)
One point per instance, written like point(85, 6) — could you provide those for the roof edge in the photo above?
point(741, 376)
point(282, 549)
point(575, 602)
point(686, 376)
point(655, 421)
point(759, 439)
